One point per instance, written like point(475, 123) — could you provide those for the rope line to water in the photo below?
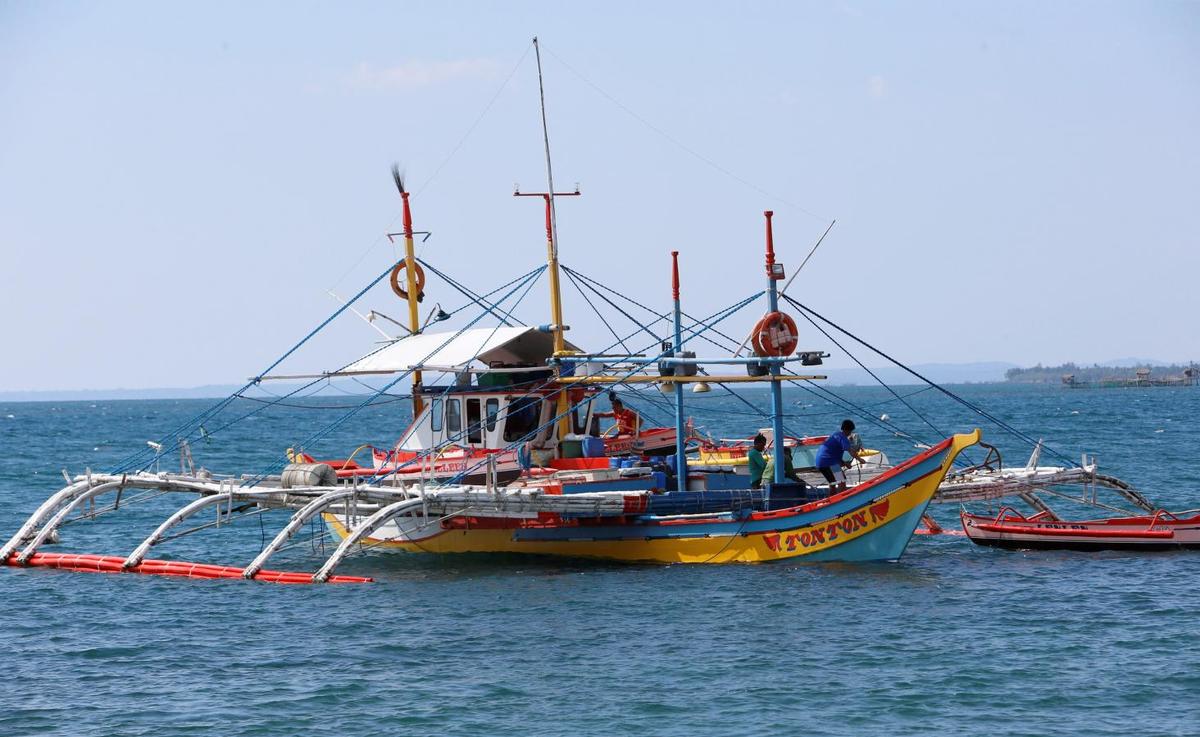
point(969, 405)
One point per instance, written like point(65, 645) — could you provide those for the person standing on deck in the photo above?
point(789, 471)
point(829, 457)
point(755, 463)
point(627, 420)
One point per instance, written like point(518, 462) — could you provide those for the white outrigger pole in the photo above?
point(367, 507)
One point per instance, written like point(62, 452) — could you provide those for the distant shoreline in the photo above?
point(1068, 373)
point(991, 372)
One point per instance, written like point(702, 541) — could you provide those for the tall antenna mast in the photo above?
point(552, 241)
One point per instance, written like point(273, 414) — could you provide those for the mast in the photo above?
point(410, 278)
point(774, 275)
point(563, 426)
point(680, 440)
point(551, 218)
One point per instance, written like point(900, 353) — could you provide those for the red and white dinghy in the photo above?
point(1012, 530)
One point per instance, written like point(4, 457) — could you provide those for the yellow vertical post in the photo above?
point(563, 426)
point(563, 404)
point(412, 288)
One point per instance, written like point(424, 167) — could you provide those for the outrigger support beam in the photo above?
point(294, 524)
point(45, 510)
point(180, 515)
point(57, 519)
point(368, 526)
point(135, 558)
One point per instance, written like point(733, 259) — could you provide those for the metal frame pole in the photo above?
point(680, 440)
point(776, 386)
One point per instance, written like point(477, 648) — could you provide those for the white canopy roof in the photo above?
point(453, 349)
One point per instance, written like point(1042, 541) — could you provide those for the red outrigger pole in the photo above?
point(115, 564)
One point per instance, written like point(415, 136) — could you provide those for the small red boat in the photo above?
point(1012, 530)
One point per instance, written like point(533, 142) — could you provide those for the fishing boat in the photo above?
point(504, 454)
point(1013, 530)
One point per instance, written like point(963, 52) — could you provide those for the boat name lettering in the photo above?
point(828, 533)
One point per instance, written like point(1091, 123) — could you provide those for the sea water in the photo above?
point(953, 639)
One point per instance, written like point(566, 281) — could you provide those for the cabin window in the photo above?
point(522, 418)
point(474, 422)
point(453, 416)
point(493, 410)
point(435, 415)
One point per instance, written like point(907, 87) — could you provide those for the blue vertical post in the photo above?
point(775, 368)
point(680, 440)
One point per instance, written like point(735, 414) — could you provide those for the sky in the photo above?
point(183, 184)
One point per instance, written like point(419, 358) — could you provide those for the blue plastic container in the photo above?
point(593, 447)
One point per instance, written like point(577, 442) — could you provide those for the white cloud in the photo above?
point(420, 73)
point(877, 86)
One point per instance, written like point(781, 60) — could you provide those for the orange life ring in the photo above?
point(399, 290)
point(775, 335)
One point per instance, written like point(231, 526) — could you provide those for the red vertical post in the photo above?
point(675, 275)
point(770, 242)
point(408, 231)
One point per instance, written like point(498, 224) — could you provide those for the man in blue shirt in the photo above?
point(829, 457)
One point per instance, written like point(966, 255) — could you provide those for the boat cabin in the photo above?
point(500, 387)
point(492, 417)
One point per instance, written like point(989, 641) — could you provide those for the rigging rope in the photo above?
point(471, 295)
point(188, 427)
point(678, 144)
point(339, 421)
point(636, 367)
point(969, 405)
point(874, 376)
point(595, 309)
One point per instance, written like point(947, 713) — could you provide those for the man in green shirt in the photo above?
point(789, 471)
point(755, 461)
